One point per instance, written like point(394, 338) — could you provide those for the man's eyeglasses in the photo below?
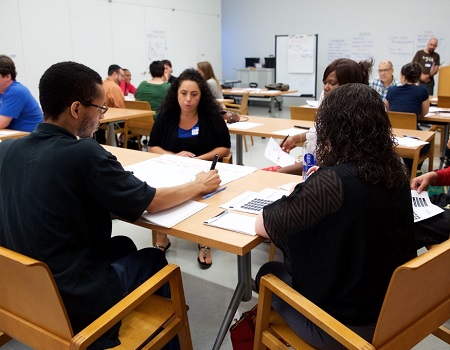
point(102, 109)
point(384, 70)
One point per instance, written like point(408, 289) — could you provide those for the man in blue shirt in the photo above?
point(18, 108)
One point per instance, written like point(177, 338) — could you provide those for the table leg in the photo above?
point(243, 292)
point(111, 134)
point(272, 107)
point(239, 160)
point(444, 146)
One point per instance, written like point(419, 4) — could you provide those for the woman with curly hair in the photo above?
point(333, 226)
point(339, 72)
point(190, 125)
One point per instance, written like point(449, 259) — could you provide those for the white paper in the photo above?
point(274, 153)
point(243, 125)
point(313, 103)
point(171, 170)
point(410, 142)
point(234, 222)
point(422, 206)
point(170, 217)
point(238, 203)
point(290, 131)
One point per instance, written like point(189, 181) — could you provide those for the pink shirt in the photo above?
point(127, 88)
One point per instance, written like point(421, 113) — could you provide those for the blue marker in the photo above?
point(213, 193)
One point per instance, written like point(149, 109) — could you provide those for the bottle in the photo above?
point(309, 151)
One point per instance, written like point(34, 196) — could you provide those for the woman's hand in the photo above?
point(186, 154)
point(312, 170)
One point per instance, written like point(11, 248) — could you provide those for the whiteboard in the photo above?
point(296, 63)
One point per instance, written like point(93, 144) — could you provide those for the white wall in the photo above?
point(249, 27)
point(97, 33)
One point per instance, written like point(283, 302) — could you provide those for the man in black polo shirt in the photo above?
point(58, 187)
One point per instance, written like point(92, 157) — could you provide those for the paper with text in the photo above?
point(422, 206)
point(274, 153)
point(170, 217)
point(171, 170)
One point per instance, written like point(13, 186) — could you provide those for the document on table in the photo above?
point(274, 153)
point(291, 131)
point(170, 217)
point(5, 132)
point(233, 222)
point(243, 125)
point(410, 141)
point(171, 170)
point(422, 206)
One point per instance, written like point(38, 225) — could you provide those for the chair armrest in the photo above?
point(322, 319)
point(116, 313)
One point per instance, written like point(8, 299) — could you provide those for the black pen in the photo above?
point(284, 140)
point(214, 162)
point(301, 127)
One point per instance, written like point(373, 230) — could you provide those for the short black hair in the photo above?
point(411, 71)
point(113, 69)
point(64, 83)
point(156, 69)
point(7, 66)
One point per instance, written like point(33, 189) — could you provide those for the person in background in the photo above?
point(125, 84)
point(154, 90)
point(190, 125)
point(409, 97)
point(429, 61)
point(168, 72)
point(436, 229)
point(114, 94)
point(18, 108)
point(207, 72)
point(330, 228)
point(339, 72)
point(58, 188)
point(385, 79)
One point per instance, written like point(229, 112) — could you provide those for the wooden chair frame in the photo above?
point(32, 311)
point(303, 113)
point(416, 305)
point(138, 127)
point(403, 120)
point(241, 109)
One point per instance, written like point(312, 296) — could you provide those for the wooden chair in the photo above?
point(403, 120)
point(32, 312)
point(241, 109)
point(138, 127)
point(303, 113)
point(416, 305)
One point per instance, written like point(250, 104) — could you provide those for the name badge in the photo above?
point(195, 131)
point(428, 64)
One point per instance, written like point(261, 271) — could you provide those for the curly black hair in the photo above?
point(353, 127)
point(64, 83)
point(207, 104)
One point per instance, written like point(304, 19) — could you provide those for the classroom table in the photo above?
point(194, 230)
point(114, 115)
point(439, 116)
point(269, 126)
point(12, 134)
point(258, 93)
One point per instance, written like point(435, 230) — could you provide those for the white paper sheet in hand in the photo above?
point(274, 153)
point(422, 206)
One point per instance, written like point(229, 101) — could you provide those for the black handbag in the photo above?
point(278, 86)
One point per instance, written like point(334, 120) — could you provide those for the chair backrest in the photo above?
point(403, 120)
point(303, 113)
point(241, 108)
point(443, 90)
point(29, 298)
point(417, 301)
point(143, 105)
